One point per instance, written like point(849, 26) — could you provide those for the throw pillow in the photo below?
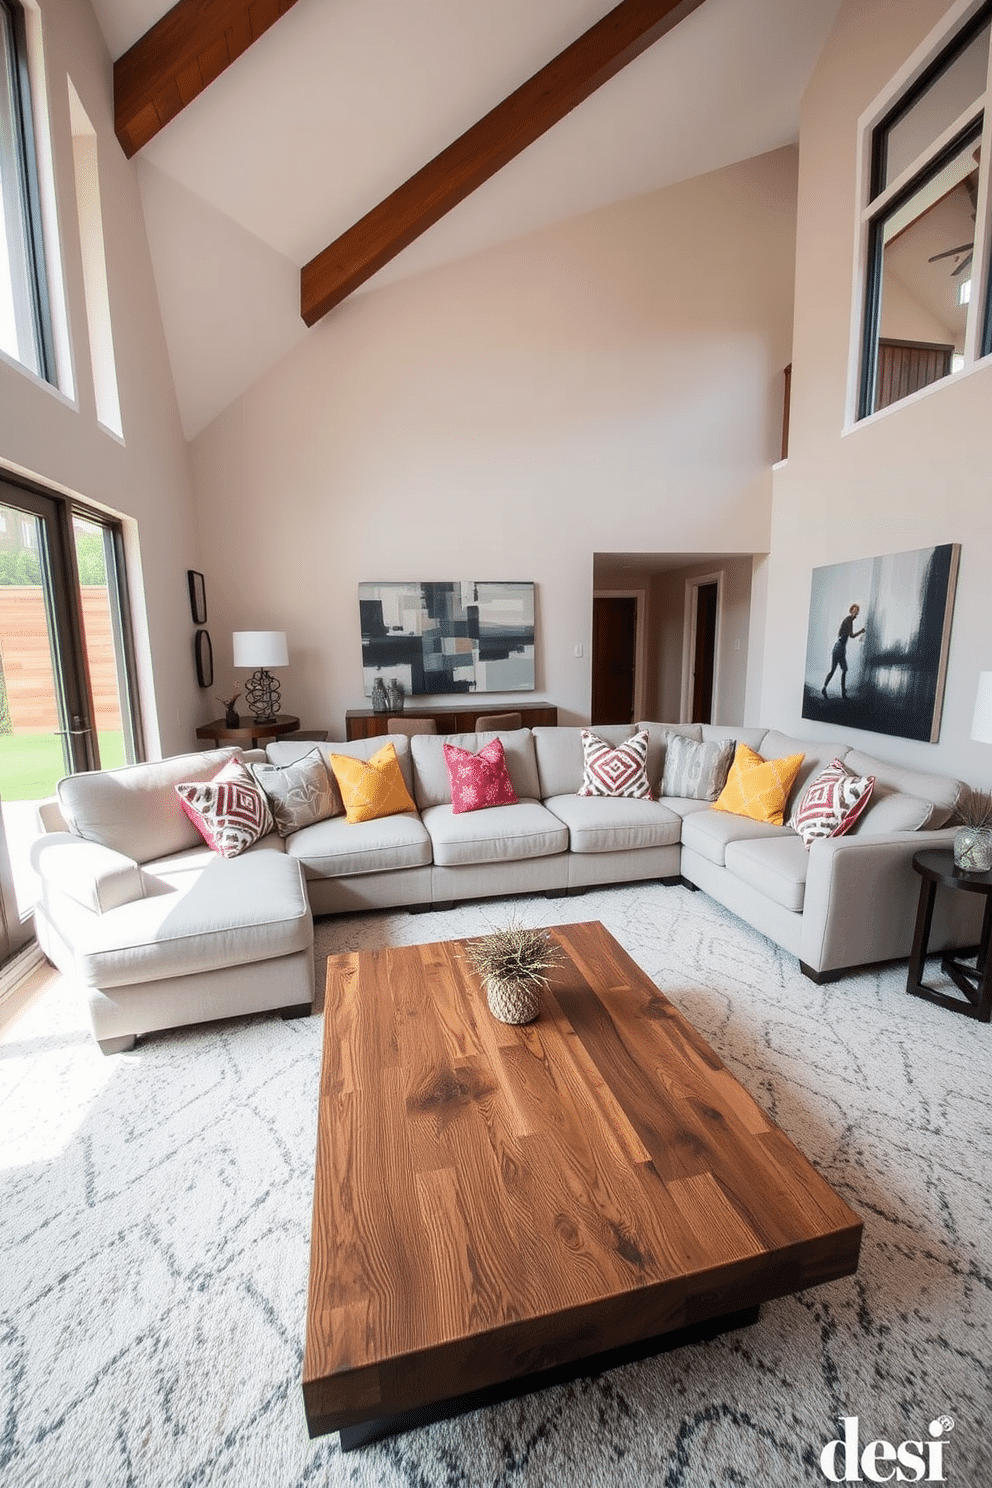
point(831, 803)
point(229, 811)
point(696, 772)
point(298, 794)
point(371, 788)
point(758, 788)
point(619, 770)
point(479, 780)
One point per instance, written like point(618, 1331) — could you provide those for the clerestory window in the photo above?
point(927, 301)
point(25, 320)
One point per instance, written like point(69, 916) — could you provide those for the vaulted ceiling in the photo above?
point(274, 127)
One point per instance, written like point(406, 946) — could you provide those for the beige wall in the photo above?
point(611, 383)
point(145, 478)
point(915, 475)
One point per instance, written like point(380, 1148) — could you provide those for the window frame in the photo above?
point(877, 203)
point(30, 194)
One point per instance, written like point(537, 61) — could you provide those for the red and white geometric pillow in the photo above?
point(479, 780)
point(832, 803)
point(615, 769)
point(230, 812)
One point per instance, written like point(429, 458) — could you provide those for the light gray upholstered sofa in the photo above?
point(160, 931)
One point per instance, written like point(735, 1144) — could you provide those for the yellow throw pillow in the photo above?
point(371, 788)
point(757, 787)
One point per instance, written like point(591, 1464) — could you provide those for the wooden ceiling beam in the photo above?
point(180, 56)
point(596, 56)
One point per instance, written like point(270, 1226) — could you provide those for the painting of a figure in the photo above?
point(876, 650)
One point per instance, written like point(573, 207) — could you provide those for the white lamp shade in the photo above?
point(260, 648)
point(981, 724)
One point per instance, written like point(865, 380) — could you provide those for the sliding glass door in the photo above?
point(65, 693)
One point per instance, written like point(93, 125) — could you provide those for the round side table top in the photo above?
point(937, 864)
point(248, 729)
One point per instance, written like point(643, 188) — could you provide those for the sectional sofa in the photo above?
point(160, 931)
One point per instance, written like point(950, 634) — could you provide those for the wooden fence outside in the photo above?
point(26, 659)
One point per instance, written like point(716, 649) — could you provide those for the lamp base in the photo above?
point(262, 696)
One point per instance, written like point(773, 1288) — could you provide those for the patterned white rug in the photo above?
point(154, 1227)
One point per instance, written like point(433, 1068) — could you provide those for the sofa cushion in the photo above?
point(135, 810)
point(757, 787)
point(775, 867)
point(891, 811)
point(371, 788)
point(615, 769)
point(752, 737)
point(432, 784)
point(478, 780)
point(335, 847)
point(560, 759)
point(942, 792)
point(658, 737)
point(831, 804)
point(709, 831)
point(250, 908)
point(284, 751)
point(495, 834)
point(697, 771)
point(614, 823)
point(299, 793)
point(230, 812)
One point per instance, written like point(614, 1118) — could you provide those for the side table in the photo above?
point(936, 869)
point(249, 732)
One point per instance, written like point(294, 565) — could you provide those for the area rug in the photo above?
point(154, 1229)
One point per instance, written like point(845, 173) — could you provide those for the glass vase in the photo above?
point(973, 849)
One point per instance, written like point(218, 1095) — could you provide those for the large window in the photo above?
point(25, 325)
point(927, 290)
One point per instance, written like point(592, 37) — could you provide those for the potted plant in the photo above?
point(514, 964)
point(973, 838)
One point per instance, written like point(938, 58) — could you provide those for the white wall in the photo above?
point(916, 475)
point(609, 384)
point(144, 478)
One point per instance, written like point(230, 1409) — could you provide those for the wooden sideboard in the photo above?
point(362, 723)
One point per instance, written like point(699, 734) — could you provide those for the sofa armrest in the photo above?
point(96, 877)
point(861, 900)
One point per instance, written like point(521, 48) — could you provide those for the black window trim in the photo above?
point(31, 194)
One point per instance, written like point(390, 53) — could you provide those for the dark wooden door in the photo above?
point(614, 647)
point(704, 656)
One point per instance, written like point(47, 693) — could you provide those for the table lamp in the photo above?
point(981, 724)
point(261, 649)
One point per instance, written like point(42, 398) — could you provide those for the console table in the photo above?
point(249, 731)
point(363, 723)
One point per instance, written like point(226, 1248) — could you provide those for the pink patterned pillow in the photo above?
point(230, 812)
point(619, 771)
point(478, 780)
point(832, 803)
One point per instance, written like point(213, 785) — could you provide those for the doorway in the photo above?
point(617, 649)
point(66, 696)
point(702, 623)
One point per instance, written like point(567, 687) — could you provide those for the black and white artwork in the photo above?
point(461, 636)
point(876, 651)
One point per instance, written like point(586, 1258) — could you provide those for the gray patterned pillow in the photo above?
point(697, 772)
point(298, 794)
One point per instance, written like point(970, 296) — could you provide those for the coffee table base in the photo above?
point(367, 1432)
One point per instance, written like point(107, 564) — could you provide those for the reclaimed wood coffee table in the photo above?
point(497, 1208)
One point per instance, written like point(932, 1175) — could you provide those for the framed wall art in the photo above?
point(878, 638)
point(449, 637)
point(197, 596)
point(203, 655)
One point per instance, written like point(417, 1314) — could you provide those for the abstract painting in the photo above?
point(876, 651)
point(469, 636)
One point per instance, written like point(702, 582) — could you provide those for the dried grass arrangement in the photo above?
point(514, 964)
point(975, 810)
